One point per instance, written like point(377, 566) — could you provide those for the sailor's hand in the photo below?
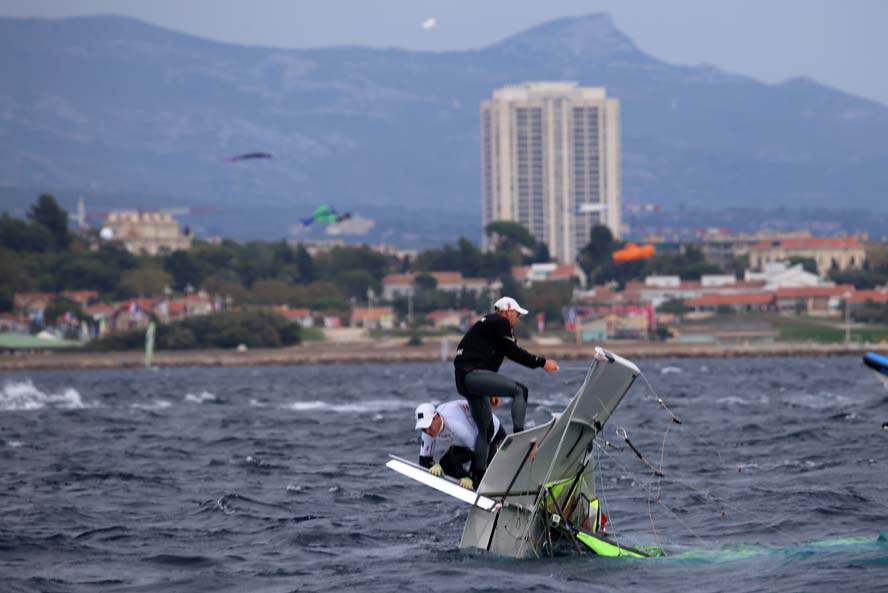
point(436, 470)
point(467, 483)
point(551, 366)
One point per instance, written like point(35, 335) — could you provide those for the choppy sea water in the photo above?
point(273, 479)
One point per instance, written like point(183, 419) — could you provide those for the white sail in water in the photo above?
point(149, 344)
point(557, 451)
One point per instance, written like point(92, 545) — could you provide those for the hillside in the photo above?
point(114, 107)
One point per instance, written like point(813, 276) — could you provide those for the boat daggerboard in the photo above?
point(442, 484)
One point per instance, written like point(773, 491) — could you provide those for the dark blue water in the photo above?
point(273, 479)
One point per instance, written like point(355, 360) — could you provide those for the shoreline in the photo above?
point(395, 352)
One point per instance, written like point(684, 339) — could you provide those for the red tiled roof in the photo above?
point(745, 284)
point(374, 313)
point(442, 313)
point(29, 297)
point(99, 308)
point(876, 295)
point(175, 307)
point(75, 295)
point(440, 278)
point(145, 304)
point(813, 291)
point(398, 279)
point(811, 243)
point(740, 298)
point(564, 271)
point(683, 285)
point(447, 277)
point(81, 295)
point(289, 313)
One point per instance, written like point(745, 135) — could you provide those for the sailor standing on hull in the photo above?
point(450, 425)
point(478, 358)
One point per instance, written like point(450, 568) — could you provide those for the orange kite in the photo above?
point(632, 251)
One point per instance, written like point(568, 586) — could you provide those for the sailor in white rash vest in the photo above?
point(450, 428)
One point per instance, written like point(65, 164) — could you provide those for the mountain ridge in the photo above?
point(115, 104)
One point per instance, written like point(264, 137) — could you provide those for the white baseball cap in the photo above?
point(425, 413)
point(508, 304)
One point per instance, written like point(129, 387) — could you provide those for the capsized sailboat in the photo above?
point(537, 497)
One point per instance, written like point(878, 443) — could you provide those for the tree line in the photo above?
point(41, 254)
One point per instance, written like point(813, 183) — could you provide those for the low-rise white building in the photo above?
point(784, 275)
point(549, 272)
point(403, 285)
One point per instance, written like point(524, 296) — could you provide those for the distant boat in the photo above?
point(877, 362)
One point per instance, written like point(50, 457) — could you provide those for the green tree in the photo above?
point(57, 308)
point(319, 295)
point(510, 239)
point(226, 284)
point(48, 214)
point(809, 264)
point(548, 298)
point(184, 269)
point(540, 254)
point(508, 235)
point(306, 266)
point(145, 281)
point(354, 283)
point(595, 257)
point(349, 258)
point(443, 259)
point(425, 282)
point(83, 271)
point(271, 292)
point(861, 279)
point(19, 236)
point(674, 306)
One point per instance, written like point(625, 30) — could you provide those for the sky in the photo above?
point(840, 43)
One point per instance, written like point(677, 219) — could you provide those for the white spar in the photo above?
point(441, 484)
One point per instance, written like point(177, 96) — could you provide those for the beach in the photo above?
point(396, 351)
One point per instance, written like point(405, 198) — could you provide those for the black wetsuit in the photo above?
point(479, 356)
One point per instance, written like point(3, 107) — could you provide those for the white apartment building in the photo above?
point(550, 160)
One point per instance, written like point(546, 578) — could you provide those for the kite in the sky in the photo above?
point(249, 156)
point(632, 251)
point(325, 214)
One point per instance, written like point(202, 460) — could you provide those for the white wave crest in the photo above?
point(203, 396)
point(158, 404)
point(735, 400)
point(823, 400)
point(376, 405)
point(17, 396)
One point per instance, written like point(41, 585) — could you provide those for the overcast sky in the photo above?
point(841, 43)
